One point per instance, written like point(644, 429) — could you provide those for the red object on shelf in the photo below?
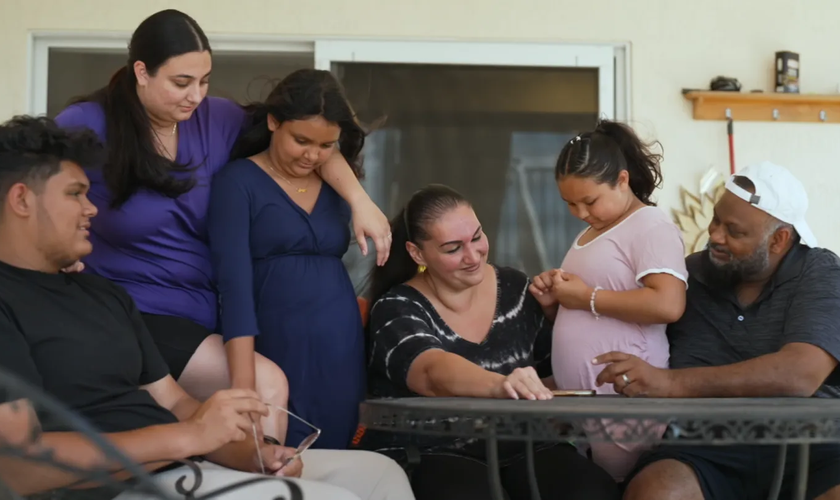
point(730, 133)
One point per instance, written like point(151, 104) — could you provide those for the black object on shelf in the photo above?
point(787, 72)
point(725, 84)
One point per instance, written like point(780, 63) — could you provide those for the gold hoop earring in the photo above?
point(421, 269)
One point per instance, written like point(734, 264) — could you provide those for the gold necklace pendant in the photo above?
point(278, 174)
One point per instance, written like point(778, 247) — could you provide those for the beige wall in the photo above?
point(675, 44)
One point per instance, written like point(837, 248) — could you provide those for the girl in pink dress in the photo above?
point(623, 280)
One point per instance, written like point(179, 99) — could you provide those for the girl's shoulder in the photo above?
point(224, 110)
point(648, 220)
point(239, 172)
point(87, 114)
point(654, 214)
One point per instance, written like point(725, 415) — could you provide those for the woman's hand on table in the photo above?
point(523, 383)
point(632, 376)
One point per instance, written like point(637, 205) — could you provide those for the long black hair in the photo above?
point(411, 224)
point(304, 94)
point(133, 160)
point(604, 152)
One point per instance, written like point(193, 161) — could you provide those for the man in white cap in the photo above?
point(762, 320)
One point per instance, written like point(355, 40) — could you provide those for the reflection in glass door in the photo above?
point(536, 227)
point(492, 132)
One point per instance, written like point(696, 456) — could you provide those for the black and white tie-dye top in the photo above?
point(403, 324)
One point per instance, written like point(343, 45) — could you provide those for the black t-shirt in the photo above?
point(80, 338)
point(404, 324)
point(801, 303)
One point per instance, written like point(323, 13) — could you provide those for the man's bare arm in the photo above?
point(797, 369)
point(158, 444)
point(240, 454)
point(203, 430)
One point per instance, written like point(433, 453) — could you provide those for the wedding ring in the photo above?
point(625, 378)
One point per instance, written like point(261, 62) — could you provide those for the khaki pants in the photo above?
point(327, 475)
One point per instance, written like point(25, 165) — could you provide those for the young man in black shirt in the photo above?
point(762, 320)
point(80, 338)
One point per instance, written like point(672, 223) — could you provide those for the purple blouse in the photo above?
point(155, 246)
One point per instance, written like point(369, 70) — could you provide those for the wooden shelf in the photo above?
point(765, 107)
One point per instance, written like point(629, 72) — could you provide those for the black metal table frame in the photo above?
point(387, 415)
point(496, 481)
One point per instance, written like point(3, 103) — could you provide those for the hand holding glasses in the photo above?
point(303, 446)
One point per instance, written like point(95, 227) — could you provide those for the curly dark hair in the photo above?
point(32, 149)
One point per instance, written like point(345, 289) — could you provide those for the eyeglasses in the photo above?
point(303, 446)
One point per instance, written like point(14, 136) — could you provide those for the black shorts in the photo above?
point(177, 339)
point(746, 472)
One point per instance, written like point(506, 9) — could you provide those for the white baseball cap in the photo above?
point(778, 193)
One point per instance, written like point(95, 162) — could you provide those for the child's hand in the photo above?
point(540, 288)
point(570, 291)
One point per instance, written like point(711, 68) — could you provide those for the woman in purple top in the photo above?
point(166, 140)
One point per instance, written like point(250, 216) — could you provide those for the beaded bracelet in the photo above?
point(592, 302)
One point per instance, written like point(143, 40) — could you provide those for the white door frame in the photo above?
point(559, 55)
point(611, 60)
point(40, 43)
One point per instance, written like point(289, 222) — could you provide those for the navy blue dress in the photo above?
point(280, 278)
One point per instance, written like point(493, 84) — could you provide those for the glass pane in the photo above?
point(75, 73)
point(249, 77)
point(492, 133)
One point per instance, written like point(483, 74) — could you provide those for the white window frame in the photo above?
point(559, 55)
point(623, 96)
point(611, 60)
